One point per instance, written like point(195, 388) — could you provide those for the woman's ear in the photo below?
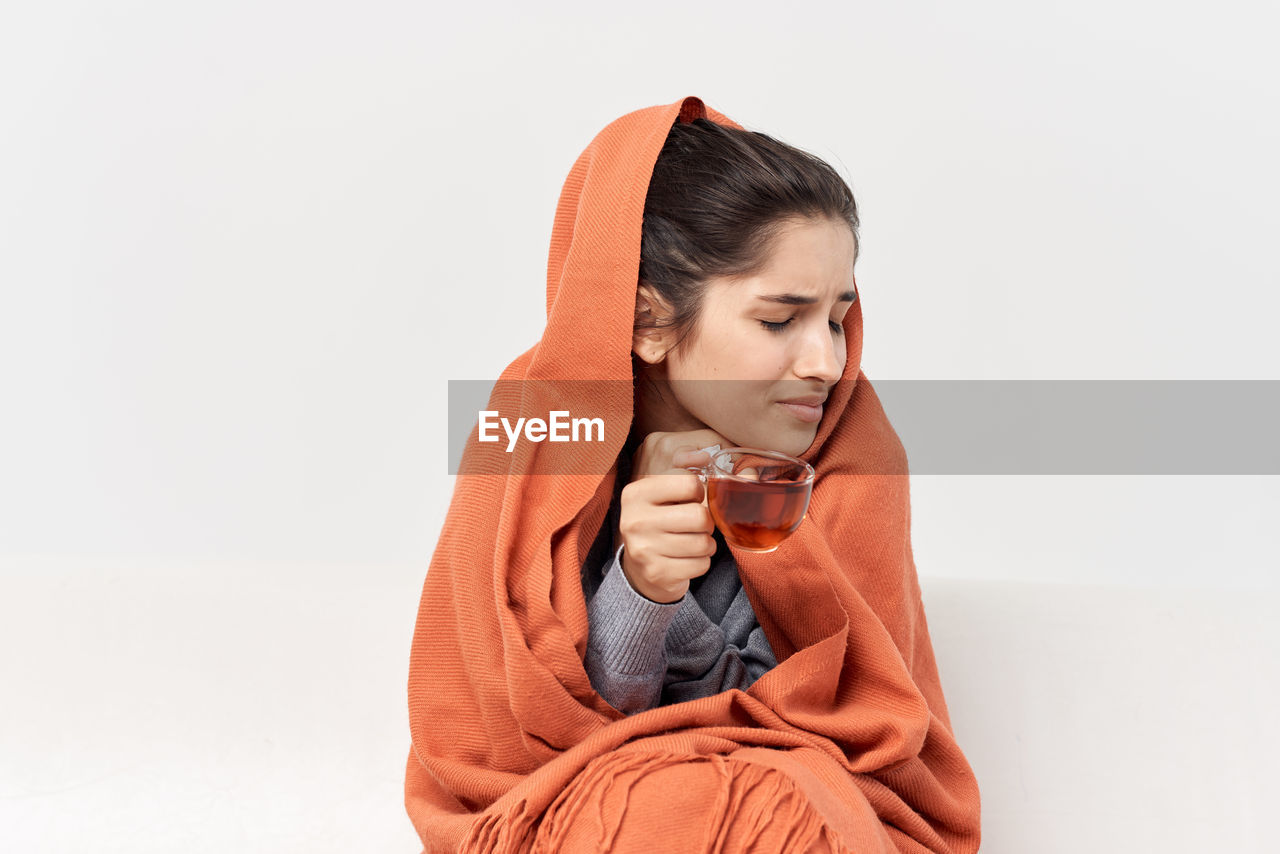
point(648, 343)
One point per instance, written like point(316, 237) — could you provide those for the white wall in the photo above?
point(244, 246)
point(247, 246)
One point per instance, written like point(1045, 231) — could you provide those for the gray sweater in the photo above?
point(642, 653)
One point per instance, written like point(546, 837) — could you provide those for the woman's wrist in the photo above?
point(648, 591)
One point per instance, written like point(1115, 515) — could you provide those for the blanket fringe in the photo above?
point(685, 803)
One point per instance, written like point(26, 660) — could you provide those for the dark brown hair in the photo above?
point(717, 201)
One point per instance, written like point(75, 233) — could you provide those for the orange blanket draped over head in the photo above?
point(845, 745)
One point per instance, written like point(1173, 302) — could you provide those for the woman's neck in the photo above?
point(656, 408)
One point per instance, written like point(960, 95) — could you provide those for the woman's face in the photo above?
point(761, 340)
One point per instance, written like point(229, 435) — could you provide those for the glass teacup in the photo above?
point(757, 498)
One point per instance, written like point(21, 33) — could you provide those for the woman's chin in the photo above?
point(795, 449)
point(790, 442)
point(787, 436)
point(794, 438)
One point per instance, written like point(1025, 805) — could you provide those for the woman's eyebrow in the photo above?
point(797, 299)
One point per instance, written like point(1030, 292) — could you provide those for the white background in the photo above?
point(244, 246)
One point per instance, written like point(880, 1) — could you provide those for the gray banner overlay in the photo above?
point(964, 426)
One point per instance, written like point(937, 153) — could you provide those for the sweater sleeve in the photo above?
point(625, 657)
point(700, 659)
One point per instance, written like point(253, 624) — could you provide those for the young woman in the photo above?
point(593, 667)
point(746, 275)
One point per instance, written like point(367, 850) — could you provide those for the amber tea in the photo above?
point(756, 497)
point(757, 516)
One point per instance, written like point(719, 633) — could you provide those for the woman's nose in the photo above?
point(820, 359)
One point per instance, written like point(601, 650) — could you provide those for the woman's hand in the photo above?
point(665, 525)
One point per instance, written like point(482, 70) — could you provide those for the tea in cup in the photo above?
point(757, 498)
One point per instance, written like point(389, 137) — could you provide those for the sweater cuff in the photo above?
point(627, 629)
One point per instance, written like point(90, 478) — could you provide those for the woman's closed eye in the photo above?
point(778, 326)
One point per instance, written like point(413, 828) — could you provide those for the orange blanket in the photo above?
point(845, 745)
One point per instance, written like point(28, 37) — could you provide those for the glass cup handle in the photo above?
point(701, 471)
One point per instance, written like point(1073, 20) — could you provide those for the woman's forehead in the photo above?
point(808, 263)
point(779, 289)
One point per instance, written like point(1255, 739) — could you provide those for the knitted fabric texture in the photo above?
point(845, 745)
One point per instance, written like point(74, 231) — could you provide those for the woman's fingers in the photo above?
point(682, 546)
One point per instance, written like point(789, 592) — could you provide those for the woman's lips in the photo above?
point(804, 413)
